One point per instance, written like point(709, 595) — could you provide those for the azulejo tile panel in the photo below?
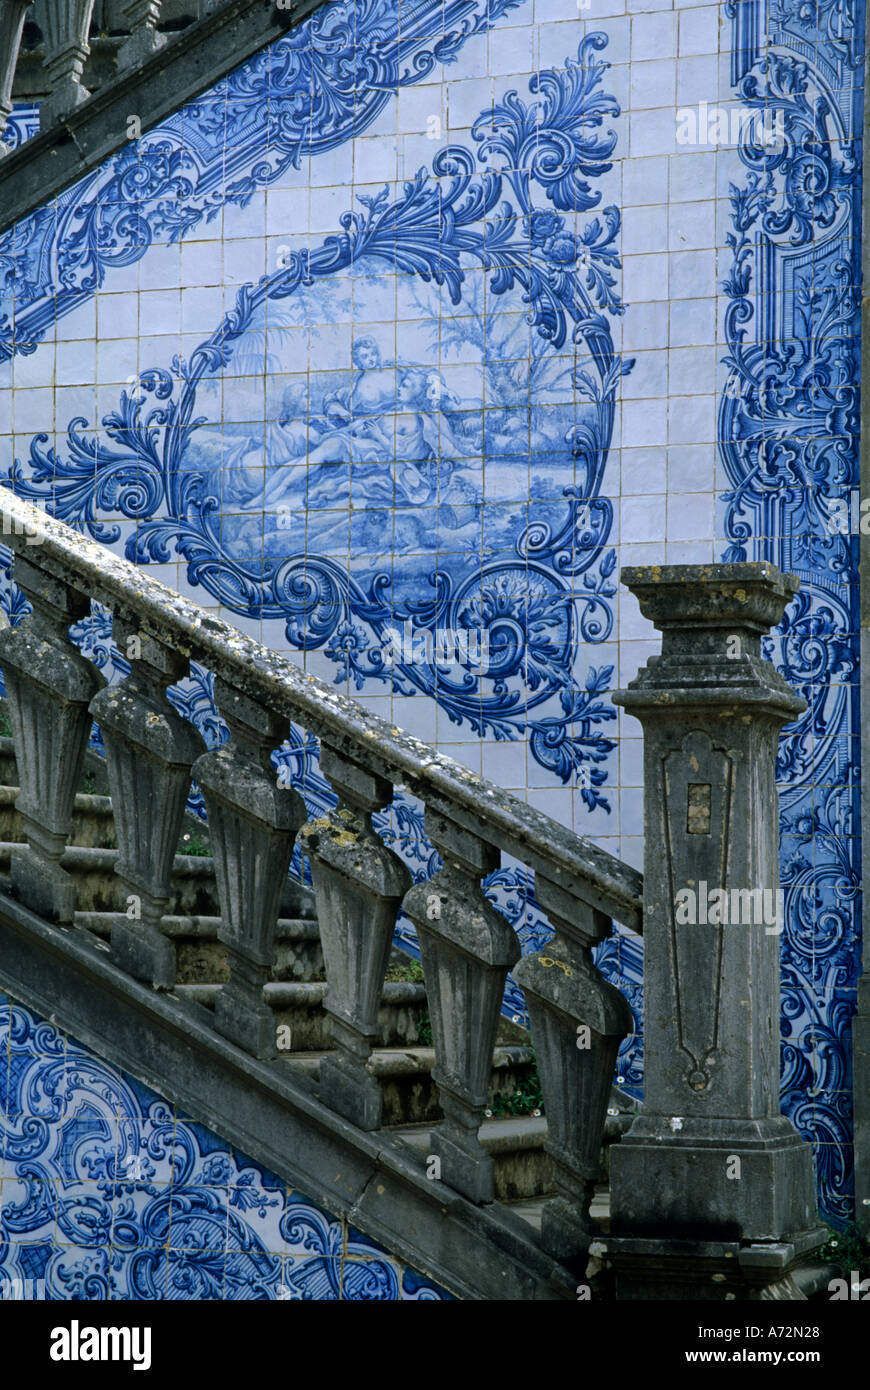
point(342, 350)
point(788, 431)
point(106, 1192)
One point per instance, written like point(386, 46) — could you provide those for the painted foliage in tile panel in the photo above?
point(395, 344)
point(106, 1192)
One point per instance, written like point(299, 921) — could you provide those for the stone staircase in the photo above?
point(403, 1057)
point(384, 1096)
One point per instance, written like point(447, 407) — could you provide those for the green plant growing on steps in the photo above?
point(849, 1249)
point(410, 971)
point(193, 845)
point(526, 1099)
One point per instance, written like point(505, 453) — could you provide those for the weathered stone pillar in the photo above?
point(66, 25)
point(49, 685)
point(12, 15)
point(359, 884)
point(710, 1165)
point(252, 824)
point(142, 16)
point(578, 1022)
point(149, 751)
point(467, 948)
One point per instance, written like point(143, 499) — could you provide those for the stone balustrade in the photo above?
point(66, 25)
point(361, 885)
point(711, 709)
point(12, 16)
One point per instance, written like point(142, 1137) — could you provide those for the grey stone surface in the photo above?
point(189, 63)
point(467, 949)
point(578, 1022)
point(141, 17)
point(150, 750)
point(12, 16)
point(253, 826)
point(710, 1271)
point(359, 884)
point(711, 1157)
point(49, 685)
point(66, 25)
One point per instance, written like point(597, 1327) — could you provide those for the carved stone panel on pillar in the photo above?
point(711, 1158)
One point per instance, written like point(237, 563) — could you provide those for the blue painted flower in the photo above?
point(547, 232)
point(216, 1170)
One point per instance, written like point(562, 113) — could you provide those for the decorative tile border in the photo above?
point(789, 419)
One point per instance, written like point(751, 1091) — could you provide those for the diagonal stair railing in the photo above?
point(54, 694)
point(711, 709)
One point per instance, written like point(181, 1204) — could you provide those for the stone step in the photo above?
point(521, 1168)
point(405, 1075)
point(94, 776)
point(529, 1209)
point(98, 888)
point(299, 1007)
point(202, 958)
point(94, 821)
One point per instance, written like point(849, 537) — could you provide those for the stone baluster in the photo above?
point(252, 826)
point(12, 16)
point(149, 751)
point(49, 685)
point(578, 1022)
point(712, 1188)
point(359, 885)
point(141, 17)
point(467, 949)
point(66, 25)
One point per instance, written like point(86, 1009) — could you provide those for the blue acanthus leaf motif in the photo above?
point(788, 429)
point(327, 80)
point(98, 1170)
point(442, 225)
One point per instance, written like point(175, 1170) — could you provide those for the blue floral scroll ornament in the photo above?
point(788, 426)
point(475, 208)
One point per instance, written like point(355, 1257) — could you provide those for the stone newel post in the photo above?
point(711, 1163)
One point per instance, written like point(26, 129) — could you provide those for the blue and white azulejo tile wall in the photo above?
point(394, 346)
point(106, 1192)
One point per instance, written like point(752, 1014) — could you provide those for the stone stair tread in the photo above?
point(87, 856)
point(85, 801)
point(406, 1061)
point(502, 1134)
point(530, 1208)
point(288, 928)
point(281, 994)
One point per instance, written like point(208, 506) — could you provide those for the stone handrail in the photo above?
point(521, 830)
point(467, 947)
